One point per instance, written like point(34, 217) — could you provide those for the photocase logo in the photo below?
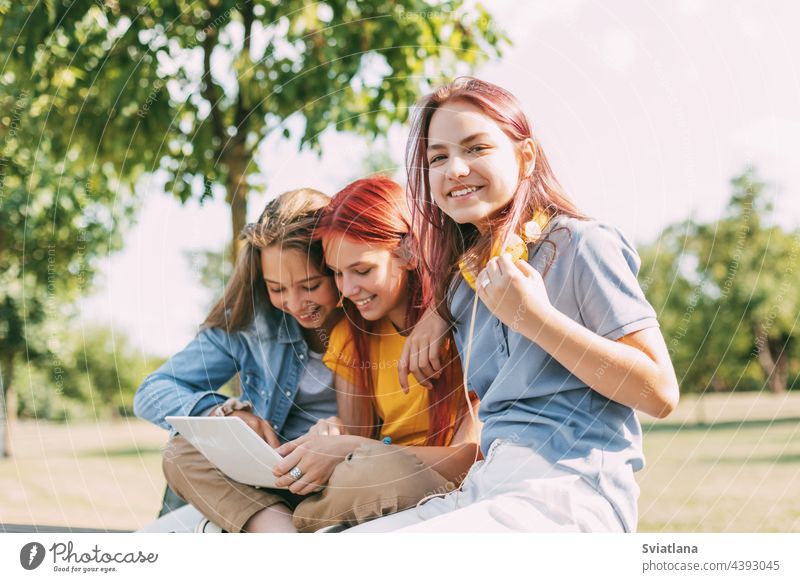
point(31, 555)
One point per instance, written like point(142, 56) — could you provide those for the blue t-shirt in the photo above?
point(529, 398)
point(315, 398)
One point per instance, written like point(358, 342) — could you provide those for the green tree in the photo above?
point(107, 368)
point(97, 93)
point(101, 371)
point(212, 270)
point(194, 88)
point(54, 226)
point(728, 294)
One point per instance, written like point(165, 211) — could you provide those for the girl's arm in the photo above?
point(454, 461)
point(319, 454)
point(187, 383)
point(422, 349)
point(634, 370)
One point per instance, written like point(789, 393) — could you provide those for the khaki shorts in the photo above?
point(373, 481)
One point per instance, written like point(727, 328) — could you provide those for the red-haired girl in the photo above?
point(392, 447)
point(560, 343)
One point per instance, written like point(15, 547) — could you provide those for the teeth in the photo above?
point(364, 301)
point(463, 191)
point(310, 314)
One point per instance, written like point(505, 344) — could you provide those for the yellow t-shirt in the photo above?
point(405, 416)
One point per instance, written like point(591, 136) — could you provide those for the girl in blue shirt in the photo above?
point(275, 315)
point(560, 344)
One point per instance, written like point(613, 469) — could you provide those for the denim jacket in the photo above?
point(269, 356)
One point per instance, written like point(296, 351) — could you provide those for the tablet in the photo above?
point(231, 446)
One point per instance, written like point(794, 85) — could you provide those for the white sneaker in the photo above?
point(207, 526)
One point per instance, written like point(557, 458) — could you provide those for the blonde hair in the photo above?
point(287, 221)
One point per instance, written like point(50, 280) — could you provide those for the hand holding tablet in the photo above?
point(232, 446)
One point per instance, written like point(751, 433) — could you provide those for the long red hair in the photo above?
point(447, 243)
point(375, 211)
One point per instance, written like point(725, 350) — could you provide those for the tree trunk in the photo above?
point(718, 385)
point(8, 405)
point(773, 359)
point(779, 378)
point(237, 161)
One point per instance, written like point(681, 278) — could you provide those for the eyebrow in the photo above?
point(306, 280)
point(350, 266)
point(474, 136)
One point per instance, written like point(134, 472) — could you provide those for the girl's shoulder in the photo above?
point(340, 332)
point(341, 338)
point(582, 236)
point(273, 325)
point(572, 246)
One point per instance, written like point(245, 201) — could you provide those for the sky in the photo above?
point(645, 110)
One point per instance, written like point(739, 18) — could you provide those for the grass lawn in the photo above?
point(105, 475)
point(738, 469)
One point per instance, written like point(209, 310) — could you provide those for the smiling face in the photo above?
point(474, 166)
point(372, 277)
point(296, 286)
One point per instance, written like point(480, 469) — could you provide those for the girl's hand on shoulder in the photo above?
point(513, 292)
point(315, 455)
point(421, 352)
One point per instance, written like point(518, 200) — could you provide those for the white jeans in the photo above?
point(514, 489)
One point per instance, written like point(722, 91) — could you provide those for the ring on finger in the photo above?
point(296, 473)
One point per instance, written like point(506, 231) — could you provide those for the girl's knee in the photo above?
point(386, 463)
point(176, 460)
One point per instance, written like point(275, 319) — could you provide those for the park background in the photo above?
point(676, 122)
